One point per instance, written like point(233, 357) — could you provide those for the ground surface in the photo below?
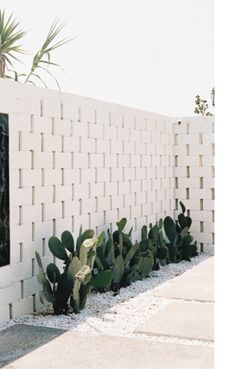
point(160, 323)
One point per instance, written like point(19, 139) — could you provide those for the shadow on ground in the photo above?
point(100, 306)
point(19, 340)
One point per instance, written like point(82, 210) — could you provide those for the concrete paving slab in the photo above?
point(21, 339)
point(73, 351)
point(192, 320)
point(195, 284)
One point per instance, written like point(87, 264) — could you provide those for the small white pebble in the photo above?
point(117, 315)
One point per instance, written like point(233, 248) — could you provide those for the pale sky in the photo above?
point(154, 55)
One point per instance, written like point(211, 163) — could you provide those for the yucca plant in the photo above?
point(42, 59)
point(10, 36)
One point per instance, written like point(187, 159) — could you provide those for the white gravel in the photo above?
point(118, 315)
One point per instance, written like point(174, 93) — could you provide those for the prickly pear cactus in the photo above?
point(74, 282)
point(180, 242)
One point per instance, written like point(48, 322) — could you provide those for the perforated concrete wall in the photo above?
point(194, 173)
point(76, 160)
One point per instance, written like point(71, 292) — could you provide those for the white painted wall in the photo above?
point(194, 173)
point(76, 160)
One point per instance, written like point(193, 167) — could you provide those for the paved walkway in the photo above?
point(179, 336)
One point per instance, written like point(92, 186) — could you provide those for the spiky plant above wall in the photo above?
point(42, 59)
point(10, 36)
point(10, 41)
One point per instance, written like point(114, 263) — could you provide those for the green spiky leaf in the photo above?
point(43, 56)
point(10, 39)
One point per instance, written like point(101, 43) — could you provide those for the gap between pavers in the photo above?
point(191, 320)
point(195, 284)
point(72, 351)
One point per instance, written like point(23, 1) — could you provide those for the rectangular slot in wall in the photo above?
point(4, 191)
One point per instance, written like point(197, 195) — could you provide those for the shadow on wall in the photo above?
point(22, 339)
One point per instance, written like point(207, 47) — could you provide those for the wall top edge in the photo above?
point(13, 90)
point(193, 118)
point(17, 88)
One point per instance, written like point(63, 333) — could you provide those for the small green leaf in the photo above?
point(100, 239)
point(41, 276)
point(160, 225)
point(41, 297)
point(74, 267)
point(53, 273)
point(182, 220)
point(188, 222)
point(57, 249)
point(184, 232)
point(170, 228)
point(68, 241)
point(144, 232)
point(118, 269)
point(39, 260)
point(76, 296)
point(121, 224)
point(47, 290)
point(89, 233)
point(108, 247)
point(102, 280)
point(182, 207)
point(131, 253)
point(99, 263)
point(144, 245)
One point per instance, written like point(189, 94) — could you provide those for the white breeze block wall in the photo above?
point(194, 174)
point(76, 160)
